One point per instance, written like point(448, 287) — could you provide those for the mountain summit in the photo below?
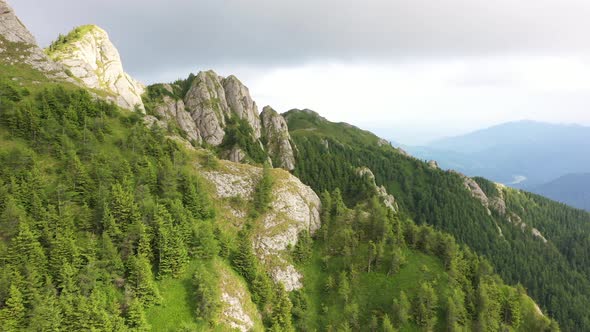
point(94, 61)
point(18, 46)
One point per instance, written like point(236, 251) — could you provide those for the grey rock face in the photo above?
point(171, 109)
point(387, 199)
point(17, 45)
point(206, 103)
point(95, 61)
point(278, 140)
point(433, 164)
point(11, 27)
point(235, 154)
point(294, 207)
point(241, 104)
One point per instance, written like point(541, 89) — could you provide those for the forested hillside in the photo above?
point(99, 211)
point(116, 220)
point(554, 273)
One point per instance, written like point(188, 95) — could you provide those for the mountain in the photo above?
point(572, 189)
point(523, 154)
point(112, 219)
point(523, 235)
point(219, 112)
point(90, 58)
point(20, 52)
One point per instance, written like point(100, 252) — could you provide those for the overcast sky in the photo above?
point(410, 70)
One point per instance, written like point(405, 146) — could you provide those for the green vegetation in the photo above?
point(95, 207)
point(106, 225)
point(238, 133)
point(556, 274)
point(61, 43)
point(488, 187)
point(371, 270)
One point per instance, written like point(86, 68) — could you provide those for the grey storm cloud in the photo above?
point(163, 35)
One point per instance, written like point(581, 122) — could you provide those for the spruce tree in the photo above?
point(12, 316)
point(387, 326)
point(141, 280)
point(135, 317)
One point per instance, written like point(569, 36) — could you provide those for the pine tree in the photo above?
point(398, 260)
point(206, 295)
point(203, 243)
point(27, 249)
point(452, 318)
point(141, 280)
point(46, 314)
point(401, 309)
point(122, 206)
point(109, 225)
point(243, 259)
point(281, 313)
point(12, 316)
point(425, 306)
point(344, 287)
point(374, 323)
point(387, 326)
point(263, 192)
point(136, 319)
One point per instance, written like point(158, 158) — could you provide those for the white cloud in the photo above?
point(419, 101)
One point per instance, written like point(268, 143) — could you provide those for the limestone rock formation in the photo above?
point(214, 103)
point(212, 99)
point(475, 190)
point(514, 219)
point(295, 207)
point(278, 140)
point(237, 309)
point(235, 154)
point(93, 60)
point(241, 104)
point(17, 45)
point(205, 101)
point(171, 109)
point(387, 199)
point(433, 164)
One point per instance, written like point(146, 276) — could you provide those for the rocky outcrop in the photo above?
point(476, 191)
point(514, 219)
point(387, 199)
point(433, 164)
point(241, 104)
point(235, 154)
point(383, 142)
point(206, 103)
point(92, 59)
point(214, 103)
point(171, 109)
point(403, 152)
point(295, 207)
point(278, 141)
point(17, 45)
point(498, 204)
point(212, 99)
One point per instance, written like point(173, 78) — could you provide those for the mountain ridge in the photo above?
point(105, 217)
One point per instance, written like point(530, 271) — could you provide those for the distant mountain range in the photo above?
point(572, 189)
point(535, 156)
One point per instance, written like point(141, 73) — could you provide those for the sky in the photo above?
point(409, 70)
